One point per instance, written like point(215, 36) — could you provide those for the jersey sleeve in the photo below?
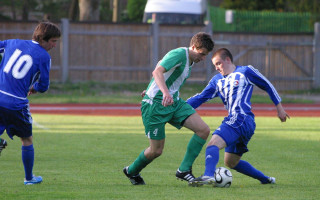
point(263, 83)
point(208, 93)
point(173, 58)
point(43, 82)
point(2, 45)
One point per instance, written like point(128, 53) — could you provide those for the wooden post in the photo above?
point(115, 11)
point(316, 56)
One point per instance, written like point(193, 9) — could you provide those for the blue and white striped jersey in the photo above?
point(22, 64)
point(235, 90)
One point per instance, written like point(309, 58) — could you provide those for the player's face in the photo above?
point(198, 54)
point(52, 42)
point(220, 64)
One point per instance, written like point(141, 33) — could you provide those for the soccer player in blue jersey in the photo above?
point(24, 70)
point(234, 85)
point(161, 105)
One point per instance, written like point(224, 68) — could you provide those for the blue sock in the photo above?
point(246, 168)
point(212, 159)
point(28, 159)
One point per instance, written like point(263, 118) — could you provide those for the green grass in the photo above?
point(98, 92)
point(82, 157)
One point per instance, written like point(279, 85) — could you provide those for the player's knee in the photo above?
point(204, 132)
point(156, 153)
point(230, 163)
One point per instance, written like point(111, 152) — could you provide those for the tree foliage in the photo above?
point(135, 9)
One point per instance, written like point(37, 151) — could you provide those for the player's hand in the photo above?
point(167, 100)
point(143, 93)
point(282, 113)
point(283, 117)
point(32, 91)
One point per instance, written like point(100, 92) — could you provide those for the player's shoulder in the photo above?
point(178, 51)
point(216, 78)
point(245, 68)
point(178, 55)
point(10, 41)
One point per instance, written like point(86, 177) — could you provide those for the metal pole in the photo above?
point(154, 45)
point(64, 49)
point(316, 56)
point(208, 63)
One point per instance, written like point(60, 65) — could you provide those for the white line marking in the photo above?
point(39, 125)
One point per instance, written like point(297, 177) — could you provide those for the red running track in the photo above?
point(307, 110)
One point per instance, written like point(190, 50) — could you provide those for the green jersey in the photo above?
point(178, 69)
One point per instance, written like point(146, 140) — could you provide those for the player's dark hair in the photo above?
point(45, 31)
point(223, 53)
point(202, 40)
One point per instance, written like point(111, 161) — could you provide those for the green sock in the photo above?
point(140, 163)
point(194, 147)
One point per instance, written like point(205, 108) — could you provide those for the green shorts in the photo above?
point(155, 116)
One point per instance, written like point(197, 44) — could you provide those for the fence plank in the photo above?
point(128, 52)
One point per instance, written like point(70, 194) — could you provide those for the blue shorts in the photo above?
point(16, 122)
point(237, 138)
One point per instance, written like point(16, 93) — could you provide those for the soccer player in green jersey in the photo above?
point(161, 104)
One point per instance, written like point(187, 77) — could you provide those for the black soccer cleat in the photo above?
point(185, 176)
point(135, 180)
point(3, 144)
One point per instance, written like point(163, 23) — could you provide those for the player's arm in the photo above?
point(159, 79)
point(208, 93)
point(2, 45)
point(42, 84)
point(262, 82)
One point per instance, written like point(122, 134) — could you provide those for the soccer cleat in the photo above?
point(202, 180)
point(3, 144)
point(135, 180)
point(34, 180)
point(185, 176)
point(271, 180)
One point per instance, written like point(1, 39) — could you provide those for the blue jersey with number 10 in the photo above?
point(22, 64)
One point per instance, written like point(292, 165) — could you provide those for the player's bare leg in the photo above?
point(201, 130)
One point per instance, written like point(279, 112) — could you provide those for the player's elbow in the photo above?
point(41, 88)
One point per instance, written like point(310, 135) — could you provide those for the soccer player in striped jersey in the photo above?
point(24, 70)
point(234, 85)
point(161, 105)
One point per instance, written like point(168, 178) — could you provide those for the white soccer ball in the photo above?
point(223, 177)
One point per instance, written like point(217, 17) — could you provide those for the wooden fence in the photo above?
point(129, 52)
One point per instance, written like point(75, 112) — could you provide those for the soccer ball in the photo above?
point(223, 177)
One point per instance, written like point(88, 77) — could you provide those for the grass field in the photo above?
point(82, 157)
